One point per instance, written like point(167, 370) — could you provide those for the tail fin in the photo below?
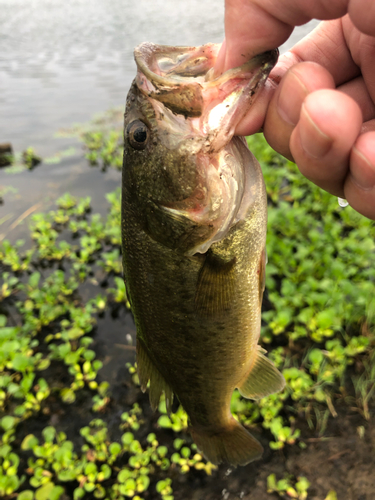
point(232, 444)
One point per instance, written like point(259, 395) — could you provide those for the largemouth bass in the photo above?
point(194, 215)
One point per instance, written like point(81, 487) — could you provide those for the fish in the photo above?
point(194, 218)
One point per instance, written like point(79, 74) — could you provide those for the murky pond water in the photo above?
point(63, 61)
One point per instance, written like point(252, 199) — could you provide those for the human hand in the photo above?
point(318, 107)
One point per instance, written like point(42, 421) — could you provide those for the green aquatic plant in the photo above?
point(318, 327)
point(60, 155)
point(104, 147)
point(288, 487)
point(30, 158)
point(11, 256)
point(119, 293)
point(10, 479)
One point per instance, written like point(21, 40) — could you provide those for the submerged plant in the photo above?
point(288, 487)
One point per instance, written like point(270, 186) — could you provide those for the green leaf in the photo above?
point(49, 434)
point(66, 475)
point(162, 451)
point(143, 483)
point(316, 356)
point(43, 364)
point(21, 362)
point(123, 475)
point(89, 487)
point(90, 468)
point(302, 484)
point(8, 422)
point(185, 452)
point(332, 495)
point(5, 449)
point(56, 493)
point(29, 442)
point(177, 443)
point(26, 495)
point(165, 422)
point(151, 437)
point(34, 280)
point(130, 484)
point(44, 492)
point(115, 448)
point(326, 318)
point(68, 395)
point(78, 493)
point(127, 438)
point(105, 472)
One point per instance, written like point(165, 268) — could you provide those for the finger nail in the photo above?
point(315, 142)
point(364, 174)
point(292, 94)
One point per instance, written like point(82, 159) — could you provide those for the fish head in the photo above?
point(183, 170)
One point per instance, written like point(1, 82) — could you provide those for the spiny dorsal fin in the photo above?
point(147, 371)
point(216, 286)
point(264, 378)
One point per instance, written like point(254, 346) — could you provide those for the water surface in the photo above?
point(63, 61)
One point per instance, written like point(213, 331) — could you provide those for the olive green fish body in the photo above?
point(194, 229)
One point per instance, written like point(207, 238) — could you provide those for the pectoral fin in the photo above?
point(147, 371)
point(263, 379)
point(216, 286)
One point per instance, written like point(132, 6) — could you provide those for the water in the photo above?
point(63, 61)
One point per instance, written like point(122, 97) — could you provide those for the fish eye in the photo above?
point(138, 134)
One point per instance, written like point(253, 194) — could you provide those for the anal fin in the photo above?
point(147, 372)
point(263, 379)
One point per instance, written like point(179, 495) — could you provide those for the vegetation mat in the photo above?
point(67, 433)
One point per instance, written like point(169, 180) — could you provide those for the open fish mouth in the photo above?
point(181, 79)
